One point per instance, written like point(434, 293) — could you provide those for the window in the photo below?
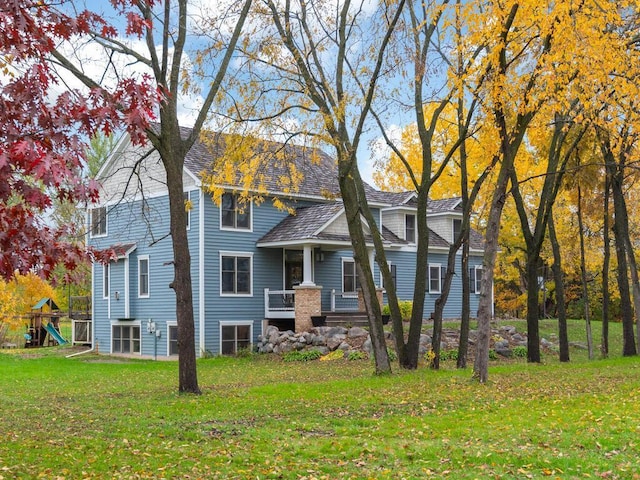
point(434, 278)
point(457, 228)
point(143, 276)
point(393, 269)
point(105, 281)
point(235, 273)
point(235, 337)
point(350, 282)
point(410, 228)
point(173, 339)
point(125, 339)
point(475, 278)
point(98, 221)
point(234, 215)
point(187, 207)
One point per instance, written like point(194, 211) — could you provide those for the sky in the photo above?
point(93, 62)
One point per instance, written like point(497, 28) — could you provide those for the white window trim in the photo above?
point(106, 223)
point(439, 267)
point(415, 227)
point(234, 323)
point(346, 294)
point(477, 281)
point(389, 263)
point(130, 323)
point(231, 229)
point(140, 259)
point(106, 286)
point(249, 255)
point(170, 325)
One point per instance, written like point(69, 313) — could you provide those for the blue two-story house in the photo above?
point(252, 264)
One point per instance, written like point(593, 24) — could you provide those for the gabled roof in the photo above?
point(45, 301)
point(445, 204)
point(310, 223)
point(122, 250)
point(304, 224)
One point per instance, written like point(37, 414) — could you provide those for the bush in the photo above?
point(449, 355)
point(493, 355)
point(301, 355)
point(392, 355)
point(356, 355)
point(520, 351)
point(406, 307)
point(335, 355)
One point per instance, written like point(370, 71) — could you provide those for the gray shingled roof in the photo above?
point(303, 225)
point(319, 170)
point(307, 222)
point(306, 225)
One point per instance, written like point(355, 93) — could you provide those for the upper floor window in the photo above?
point(233, 214)
point(98, 221)
point(434, 277)
point(350, 281)
point(457, 228)
point(235, 274)
point(143, 276)
point(410, 228)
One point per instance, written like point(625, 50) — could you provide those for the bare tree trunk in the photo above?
point(485, 307)
point(188, 376)
point(604, 346)
point(465, 320)
point(635, 283)
point(349, 182)
point(583, 274)
point(558, 277)
point(533, 331)
point(441, 301)
point(621, 234)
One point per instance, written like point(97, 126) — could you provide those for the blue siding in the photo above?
point(267, 270)
point(148, 225)
point(127, 224)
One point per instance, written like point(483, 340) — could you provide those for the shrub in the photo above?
point(429, 357)
point(406, 307)
point(520, 351)
point(301, 355)
point(245, 353)
point(356, 355)
point(449, 355)
point(493, 355)
point(335, 355)
point(392, 355)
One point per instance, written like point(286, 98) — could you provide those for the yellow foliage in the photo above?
point(19, 295)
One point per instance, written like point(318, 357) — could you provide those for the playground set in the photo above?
point(43, 323)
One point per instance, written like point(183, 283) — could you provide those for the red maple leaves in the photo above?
point(43, 137)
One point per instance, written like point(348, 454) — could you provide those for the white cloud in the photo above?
point(377, 150)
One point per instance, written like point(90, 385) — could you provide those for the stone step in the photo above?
point(346, 319)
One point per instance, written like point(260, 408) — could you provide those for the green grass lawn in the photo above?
point(261, 418)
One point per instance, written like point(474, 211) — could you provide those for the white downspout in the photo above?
point(201, 303)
